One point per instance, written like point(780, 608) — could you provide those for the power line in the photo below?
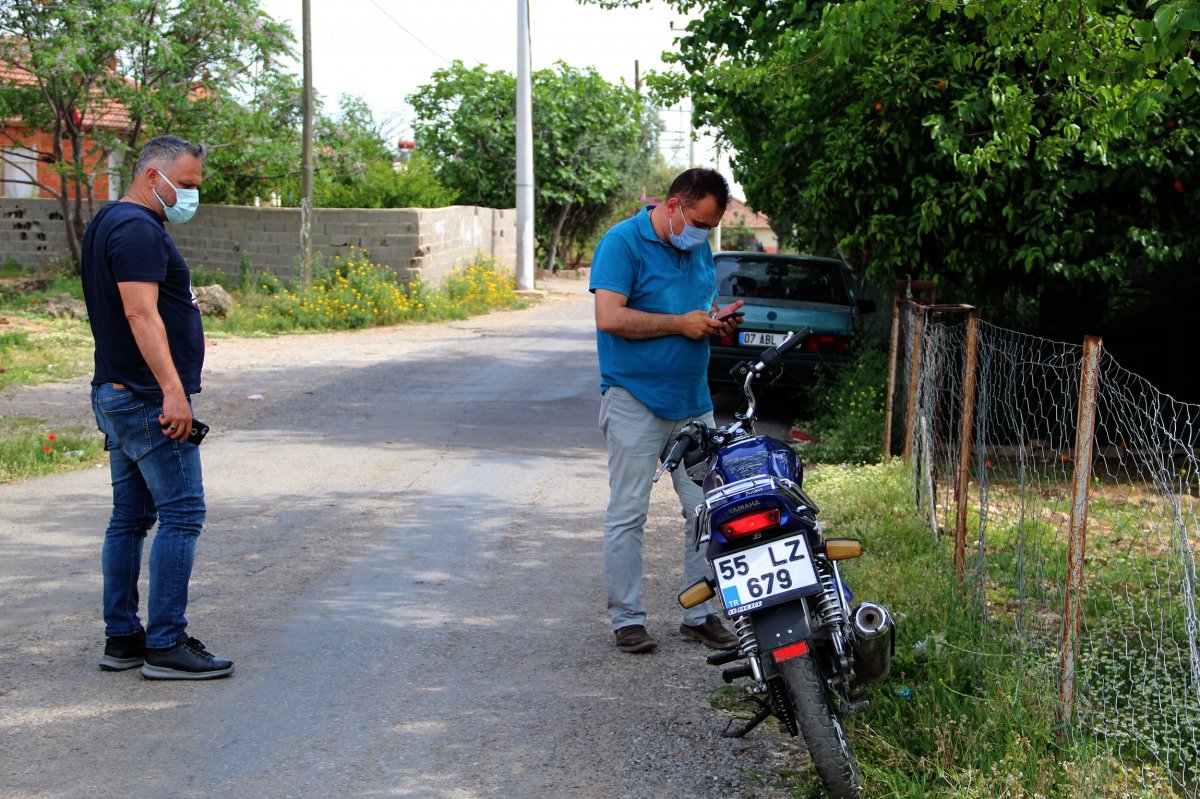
point(415, 38)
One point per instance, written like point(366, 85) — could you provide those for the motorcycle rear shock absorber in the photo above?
point(748, 643)
point(829, 607)
point(832, 615)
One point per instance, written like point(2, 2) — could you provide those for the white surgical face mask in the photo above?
point(186, 203)
point(687, 239)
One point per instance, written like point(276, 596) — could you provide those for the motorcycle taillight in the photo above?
point(751, 523)
point(798, 649)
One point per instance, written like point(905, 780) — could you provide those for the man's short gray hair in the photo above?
point(164, 150)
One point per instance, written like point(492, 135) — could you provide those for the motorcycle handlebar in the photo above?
point(772, 357)
point(684, 443)
point(793, 341)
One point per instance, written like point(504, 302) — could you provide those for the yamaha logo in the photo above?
point(745, 506)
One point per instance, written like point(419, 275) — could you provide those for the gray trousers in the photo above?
point(635, 439)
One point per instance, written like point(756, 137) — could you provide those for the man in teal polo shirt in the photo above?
point(655, 286)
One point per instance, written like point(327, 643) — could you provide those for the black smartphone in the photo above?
point(199, 431)
point(722, 317)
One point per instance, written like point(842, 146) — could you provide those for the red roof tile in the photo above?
point(101, 113)
point(738, 213)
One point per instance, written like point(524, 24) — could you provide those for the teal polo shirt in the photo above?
point(669, 374)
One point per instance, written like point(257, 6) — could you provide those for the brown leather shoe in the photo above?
point(712, 633)
point(634, 638)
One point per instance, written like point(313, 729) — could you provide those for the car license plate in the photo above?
point(752, 338)
point(765, 575)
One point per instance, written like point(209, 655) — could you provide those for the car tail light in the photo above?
point(726, 340)
point(751, 523)
point(825, 344)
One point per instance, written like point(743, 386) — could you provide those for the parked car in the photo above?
point(782, 293)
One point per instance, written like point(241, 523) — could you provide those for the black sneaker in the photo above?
point(187, 660)
point(123, 652)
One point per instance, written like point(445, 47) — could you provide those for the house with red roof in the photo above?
point(741, 217)
point(27, 154)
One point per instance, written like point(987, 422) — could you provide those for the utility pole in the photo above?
point(524, 152)
point(691, 134)
point(306, 170)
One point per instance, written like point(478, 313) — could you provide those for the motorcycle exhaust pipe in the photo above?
point(874, 642)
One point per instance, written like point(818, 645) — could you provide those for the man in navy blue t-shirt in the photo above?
point(149, 353)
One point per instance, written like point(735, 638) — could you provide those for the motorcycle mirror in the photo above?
point(697, 592)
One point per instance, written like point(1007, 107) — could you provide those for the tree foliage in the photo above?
point(1008, 145)
point(358, 168)
point(592, 141)
point(169, 65)
point(208, 70)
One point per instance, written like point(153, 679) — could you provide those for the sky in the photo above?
point(382, 50)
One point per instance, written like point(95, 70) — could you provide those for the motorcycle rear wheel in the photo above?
point(822, 731)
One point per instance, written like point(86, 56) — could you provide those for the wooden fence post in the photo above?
point(1085, 424)
point(914, 373)
point(891, 389)
point(965, 428)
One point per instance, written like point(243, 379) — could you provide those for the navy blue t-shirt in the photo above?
point(127, 242)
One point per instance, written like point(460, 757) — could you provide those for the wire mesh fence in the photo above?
point(1070, 487)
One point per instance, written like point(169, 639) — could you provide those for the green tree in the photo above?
point(592, 142)
point(169, 65)
point(1019, 147)
point(253, 140)
point(358, 168)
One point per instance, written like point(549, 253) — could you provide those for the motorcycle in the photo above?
point(808, 654)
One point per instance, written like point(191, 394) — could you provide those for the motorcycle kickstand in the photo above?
point(746, 725)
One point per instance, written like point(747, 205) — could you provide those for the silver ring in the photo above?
point(173, 428)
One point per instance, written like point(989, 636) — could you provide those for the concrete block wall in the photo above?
point(32, 232)
point(426, 241)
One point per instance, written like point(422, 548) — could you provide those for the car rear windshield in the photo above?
point(798, 279)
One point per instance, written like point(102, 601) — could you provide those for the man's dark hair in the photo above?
point(695, 184)
point(164, 150)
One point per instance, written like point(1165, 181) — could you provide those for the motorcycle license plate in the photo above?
point(751, 338)
point(765, 575)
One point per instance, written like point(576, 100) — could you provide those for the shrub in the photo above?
point(848, 407)
point(350, 292)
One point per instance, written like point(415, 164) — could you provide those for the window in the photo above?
point(20, 168)
point(800, 278)
point(114, 175)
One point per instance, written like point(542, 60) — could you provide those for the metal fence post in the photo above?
point(1085, 423)
point(966, 426)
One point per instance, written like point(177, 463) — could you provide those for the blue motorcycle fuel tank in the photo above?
point(759, 457)
point(754, 457)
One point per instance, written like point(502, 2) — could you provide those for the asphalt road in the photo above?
point(402, 556)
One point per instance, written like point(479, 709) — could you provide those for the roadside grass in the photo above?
point(37, 349)
point(966, 712)
point(28, 449)
point(346, 293)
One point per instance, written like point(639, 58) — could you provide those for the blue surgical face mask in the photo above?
point(687, 239)
point(186, 203)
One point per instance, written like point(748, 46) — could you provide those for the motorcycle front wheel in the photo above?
point(822, 731)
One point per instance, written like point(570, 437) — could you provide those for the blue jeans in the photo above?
point(635, 438)
point(154, 479)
